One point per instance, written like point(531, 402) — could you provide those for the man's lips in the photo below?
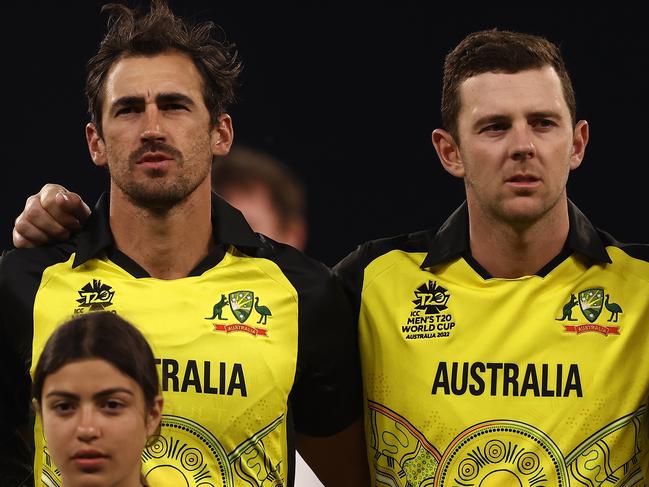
point(154, 158)
point(523, 181)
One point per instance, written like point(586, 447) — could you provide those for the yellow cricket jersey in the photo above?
point(255, 342)
point(476, 381)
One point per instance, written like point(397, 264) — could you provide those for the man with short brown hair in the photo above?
point(510, 346)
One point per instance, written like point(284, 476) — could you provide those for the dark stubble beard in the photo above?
point(159, 194)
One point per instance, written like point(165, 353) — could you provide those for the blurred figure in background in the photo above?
point(266, 191)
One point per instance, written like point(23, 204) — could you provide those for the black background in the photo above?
point(348, 97)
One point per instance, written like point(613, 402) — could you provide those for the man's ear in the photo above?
point(579, 142)
point(448, 152)
point(222, 135)
point(96, 145)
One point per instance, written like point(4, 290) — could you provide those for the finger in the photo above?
point(49, 191)
point(34, 220)
point(52, 208)
point(73, 205)
point(25, 234)
point(21, 242)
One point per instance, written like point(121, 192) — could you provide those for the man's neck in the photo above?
point(167, 244)
point(511, 251)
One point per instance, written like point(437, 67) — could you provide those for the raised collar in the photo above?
point(452, 239)
point(228, 227)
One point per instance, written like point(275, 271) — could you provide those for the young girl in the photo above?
point(97, 392)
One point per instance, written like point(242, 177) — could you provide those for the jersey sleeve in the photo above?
point(16, 446)
point(349, 271)
point(327, 396)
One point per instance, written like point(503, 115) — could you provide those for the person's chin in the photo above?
point(157, 195)
point(523, 209)
point(86, 478)
point(88, 474)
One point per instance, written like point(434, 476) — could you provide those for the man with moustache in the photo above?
point(254, 340)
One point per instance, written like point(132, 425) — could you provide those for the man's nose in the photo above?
point(523, 146)
point(152, 129)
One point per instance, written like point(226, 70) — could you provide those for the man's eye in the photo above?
point(125, 111)
point(174, 106)
point(495, 127)
point(543, 123)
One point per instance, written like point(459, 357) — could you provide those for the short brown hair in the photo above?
point(132, 34)
point(498, 51)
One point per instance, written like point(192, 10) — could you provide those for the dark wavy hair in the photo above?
point(105, 336)
point(498, 51)
point(133, 34)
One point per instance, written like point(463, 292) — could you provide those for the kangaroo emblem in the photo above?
point(218, 309)
point(567, 309)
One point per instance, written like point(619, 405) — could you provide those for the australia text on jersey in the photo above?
point(507, 379)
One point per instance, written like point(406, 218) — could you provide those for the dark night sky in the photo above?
point(348, 98)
